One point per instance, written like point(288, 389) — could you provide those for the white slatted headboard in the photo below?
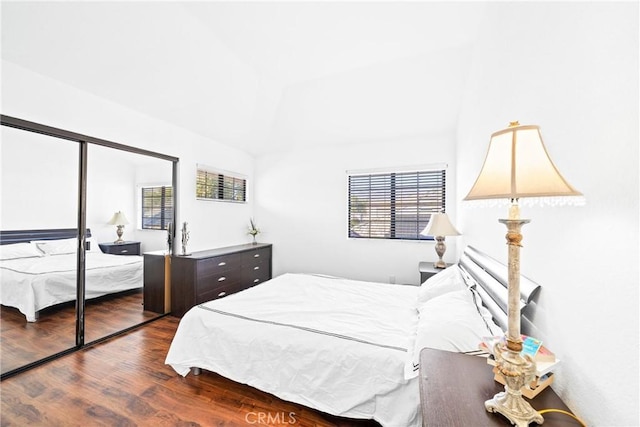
point(490, 278)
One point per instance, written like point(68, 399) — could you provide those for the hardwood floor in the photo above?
point(124, 382)
point(25, 342)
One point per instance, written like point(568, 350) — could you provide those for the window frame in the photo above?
point(380, 198)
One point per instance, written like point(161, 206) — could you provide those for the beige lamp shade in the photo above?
point(118, 218)
point(439, 225)
point(517, 165)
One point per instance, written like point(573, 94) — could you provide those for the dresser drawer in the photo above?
point(219, 264)
point(220, 291)
point(207, 284)
point(256, 257)
point(253, 277)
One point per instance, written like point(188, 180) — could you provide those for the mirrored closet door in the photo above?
point(125, 223)
point(62, 288)
point(38, 269)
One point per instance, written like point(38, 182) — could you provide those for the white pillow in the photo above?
point(448, 280)
point(58, 247)
point(19, 250)
point(448, 322)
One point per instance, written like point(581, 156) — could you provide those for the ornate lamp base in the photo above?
point(516, 410)
point(517, 371)
point(119, 232)
point(440, 249)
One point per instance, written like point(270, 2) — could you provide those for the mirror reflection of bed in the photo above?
point(38, 290)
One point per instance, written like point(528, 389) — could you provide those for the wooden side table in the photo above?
point(126, 248)
point(454, 387)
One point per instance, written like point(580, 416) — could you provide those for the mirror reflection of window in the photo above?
point(116, 181)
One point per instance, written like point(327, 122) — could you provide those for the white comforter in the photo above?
point(332, 344)
point(31, 284)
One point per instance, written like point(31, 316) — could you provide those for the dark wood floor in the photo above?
point(124, 382)
point(25, 342)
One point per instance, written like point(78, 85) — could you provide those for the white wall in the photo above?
point(301, 207)
point(33, 97)
point(571, 68)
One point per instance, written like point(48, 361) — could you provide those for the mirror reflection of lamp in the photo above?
point(120, 220)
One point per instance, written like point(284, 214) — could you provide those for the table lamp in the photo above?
point(517, 166)
point(439, 226)
point(120, 221)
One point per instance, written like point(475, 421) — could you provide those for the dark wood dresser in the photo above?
point(215, 273)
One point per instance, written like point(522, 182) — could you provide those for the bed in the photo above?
point(348, 348)
point(38, 270)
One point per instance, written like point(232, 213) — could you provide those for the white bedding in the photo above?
point(336, 345)
point(31, 284)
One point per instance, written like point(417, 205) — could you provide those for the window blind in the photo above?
point(157, 207)
point(217, 186)
point(395, 205)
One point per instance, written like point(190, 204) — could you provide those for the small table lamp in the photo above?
point(120, 221)
point(439, 226)
point(517, 165)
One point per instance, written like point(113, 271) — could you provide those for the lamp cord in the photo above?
point(544, 411)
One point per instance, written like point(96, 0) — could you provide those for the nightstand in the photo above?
point(126, 248)
point(454, 387)
point(427, 270)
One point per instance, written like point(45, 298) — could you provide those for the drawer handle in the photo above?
point(222, 279)
point(256, 268)
point(124, 251)
point(256, 256)
point(256, 280)
point(220, 264)
point(221, 294)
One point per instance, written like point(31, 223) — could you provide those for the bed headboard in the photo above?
point(491, 279)
point(20, 236)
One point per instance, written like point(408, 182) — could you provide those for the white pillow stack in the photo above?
point(448, 318)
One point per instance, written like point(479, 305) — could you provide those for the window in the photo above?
point(394, 205)
point(218, 186)
point(157, 207)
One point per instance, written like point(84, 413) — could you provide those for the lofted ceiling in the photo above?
point(260, 76)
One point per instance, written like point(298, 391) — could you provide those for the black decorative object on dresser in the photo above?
point(125, 248)
point(207, 275)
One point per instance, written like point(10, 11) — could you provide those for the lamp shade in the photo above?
point(439, 225)
point(118, 218)
point(517, 165)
